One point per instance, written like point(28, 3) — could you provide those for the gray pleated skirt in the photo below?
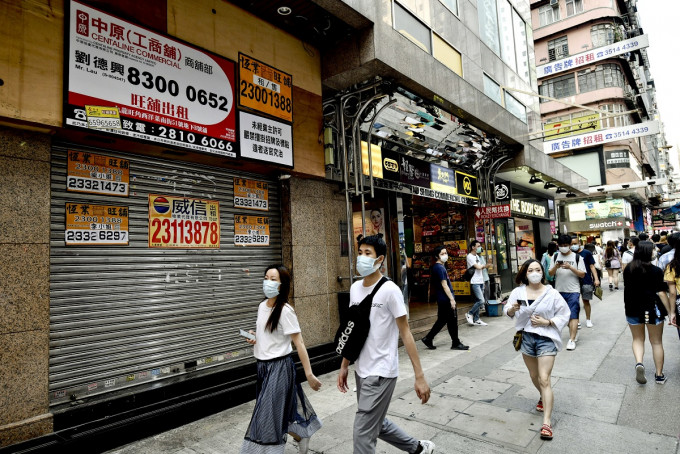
point(280, 407)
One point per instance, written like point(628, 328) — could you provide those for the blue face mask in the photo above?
point(270, 288)
point(366, 265)
point(479, 250)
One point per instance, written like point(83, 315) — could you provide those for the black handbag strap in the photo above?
point(369, 298)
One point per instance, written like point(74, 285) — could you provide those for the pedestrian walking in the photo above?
point(589, 281)
point(476, 283)
point(672, 278)
point(377, 367)
point(612, 262)
point(281, 406)
point(487, 282)
point(545, 261)
point(541, 313)
point(446, 302)
point(646, 306)
point(598, 253)
point(568, 269)
point(668, 252)
point(627, 256)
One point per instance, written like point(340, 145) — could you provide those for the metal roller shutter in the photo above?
point(126, 315)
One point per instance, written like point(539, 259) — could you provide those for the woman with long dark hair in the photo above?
point(541, 313)
point(612, 261)
point(281, 406)
point(646, 306)
point(672, 278)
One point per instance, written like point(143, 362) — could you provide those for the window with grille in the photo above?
point(603, 76)
point(548, 14)
point(574, 7)
point(617, 121)
point(602, 34)
point(558, 87)
point(558, 48)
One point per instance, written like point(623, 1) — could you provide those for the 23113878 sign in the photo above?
point(183, 223)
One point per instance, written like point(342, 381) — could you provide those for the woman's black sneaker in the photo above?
point(460, 346)
point(428, 343)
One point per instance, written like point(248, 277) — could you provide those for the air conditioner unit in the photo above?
point(554, 3)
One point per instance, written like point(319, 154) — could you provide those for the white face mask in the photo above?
point(575, 247)
point(444, 257)
point(366, 265)
point(564, 250)
point(535, 277)
point(270, 288)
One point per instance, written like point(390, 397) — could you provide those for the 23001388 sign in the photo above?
point(182, 231)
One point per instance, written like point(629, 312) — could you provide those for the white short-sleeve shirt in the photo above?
point(276, 344)
point(380, 357)
point(478, 277)
point(626, 257)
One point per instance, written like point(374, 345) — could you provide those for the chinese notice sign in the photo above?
point(266, 140)
point(647, 128)
point(251, 231)
point(571, 126)
point(265, 88)
point(96, 174)
point(592, 56)
point(493, 212)
point(96, 225)
point(251, 194)
point(163, 90)
point(184, 223)
point(616, 159)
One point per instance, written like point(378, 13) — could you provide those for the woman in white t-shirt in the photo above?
point(281, 406)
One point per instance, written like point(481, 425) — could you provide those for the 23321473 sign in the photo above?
point(251, 194)
point(95, 225)
point(97, 174)
point(251, 231)
point(183, 223)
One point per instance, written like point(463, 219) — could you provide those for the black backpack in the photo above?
point(353, 330)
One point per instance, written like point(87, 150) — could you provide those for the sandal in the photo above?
point(539, 405)
point(546, 432)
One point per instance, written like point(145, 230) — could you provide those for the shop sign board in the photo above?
point(493, 212)
point(597, 224)
point(97, 174)
point(466, 185)
point(251, 231)
point(265, 88)
point(601, 209)
point(376, 159)
point(403, 169)
point(251, 194)
point(165, 91)
point(592, 56)
point(183, 223)
point(647, 128)
point(530, 208)
point(617, 159)
point(267, 140)
point(502, 192)
point(571, 126)
point(442, 179)
point(96, 225)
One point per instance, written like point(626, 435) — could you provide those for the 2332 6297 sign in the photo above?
point(251, 231)
point(96, 225)
point(183, 223)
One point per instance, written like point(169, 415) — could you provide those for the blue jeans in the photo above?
point(478, 292)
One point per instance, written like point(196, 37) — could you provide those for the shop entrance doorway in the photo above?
point(503, 254)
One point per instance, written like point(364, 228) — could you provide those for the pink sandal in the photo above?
point(539, 405)
point(546, 432)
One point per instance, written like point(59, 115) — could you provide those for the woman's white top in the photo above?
point(550, 305)
point(276, 344)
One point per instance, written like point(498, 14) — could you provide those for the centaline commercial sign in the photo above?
point(592, 56)
point(127, 80)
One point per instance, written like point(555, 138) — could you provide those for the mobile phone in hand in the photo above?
point(246, 334)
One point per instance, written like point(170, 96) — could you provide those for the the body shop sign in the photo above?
point(529, 208)
point(127, 80)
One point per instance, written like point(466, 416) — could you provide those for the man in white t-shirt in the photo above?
point(476, 283)
point(377, 367)
point(627, 256)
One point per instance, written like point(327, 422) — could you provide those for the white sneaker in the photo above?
point(571, 345)
point(468, 317)
point(303, 446)
point(428, 446)
point(589, 324)
point(480, 323)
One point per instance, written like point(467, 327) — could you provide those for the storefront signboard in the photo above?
point(571, 126)
point(165, 90)
point(602, 209)
point(493, 212)
point(265, 88)
point(251, 231)
point(530, 208)
point(96, 225)
point(466, 185)
point(502, 192)
point(183, 223)
point(592, 56)
point(442, 179)
point(404, 169)
point(597, 225)
point(647, 128)
point(251, 194)
point(617, 159)
point(97, 174)
point(267, 140)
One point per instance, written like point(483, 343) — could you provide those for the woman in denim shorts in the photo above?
point(541, 313)
point(646, 306)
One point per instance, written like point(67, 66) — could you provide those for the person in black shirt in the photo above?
point(646, 305)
